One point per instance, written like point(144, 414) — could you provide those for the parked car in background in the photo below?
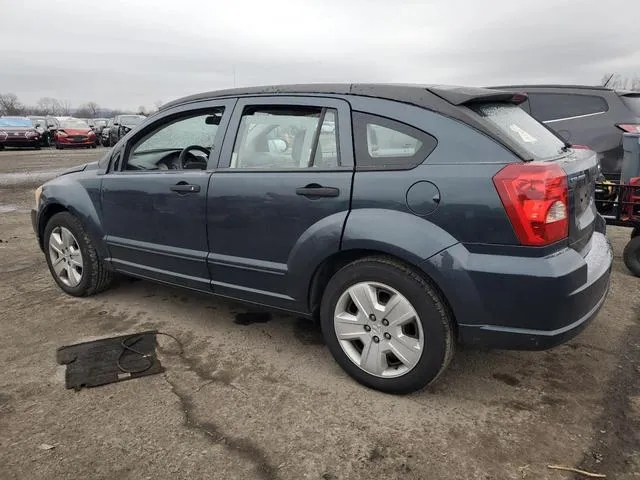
point(121, 125)
point(98, 125)
point(46, 127)
point(18, 132)
point(75, 133)
point(404, 218)
point(595, 117)
point(104, 134)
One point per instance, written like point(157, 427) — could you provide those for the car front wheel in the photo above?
point(386, 325)
point(72, 257)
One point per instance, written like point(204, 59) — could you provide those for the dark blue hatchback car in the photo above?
point(404, 218)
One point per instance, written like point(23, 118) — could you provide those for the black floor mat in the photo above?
point(108, 360)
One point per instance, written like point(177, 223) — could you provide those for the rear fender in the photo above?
point(402, 235)
point(317, 243)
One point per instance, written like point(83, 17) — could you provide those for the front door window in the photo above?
point(180, 144)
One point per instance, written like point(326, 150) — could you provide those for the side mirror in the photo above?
point(115, 124)
point(213, 120)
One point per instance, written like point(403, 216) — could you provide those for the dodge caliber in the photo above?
point(404, 219)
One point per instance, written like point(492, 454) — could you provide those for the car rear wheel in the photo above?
point(386, 325)
point(72, 257)
point(631, 255)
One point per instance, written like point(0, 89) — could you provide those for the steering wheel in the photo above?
point(182, 159)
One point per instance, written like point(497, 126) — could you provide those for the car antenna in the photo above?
point(608, 80)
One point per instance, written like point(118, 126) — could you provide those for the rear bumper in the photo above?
point(521, 302)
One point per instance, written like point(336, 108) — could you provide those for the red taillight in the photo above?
point(535, 197)
point(580, 147)
point(630, 127)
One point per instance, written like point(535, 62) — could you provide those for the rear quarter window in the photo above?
point(632, 102)
point(521, 128)
point(548, 107)
point(385, 144)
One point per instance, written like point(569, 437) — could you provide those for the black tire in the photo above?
point(1, 147)
point(434, 317)
point(631, 255)
point(96, 276)
point(58, 146)
point(94, 146)
point(38, 147)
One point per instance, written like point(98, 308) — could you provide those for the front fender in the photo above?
point(403, 235)
point(79, 196)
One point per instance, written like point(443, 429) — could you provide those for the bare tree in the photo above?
point(142, 110)
point(157, 104)
point(83, 112)
point(620, 82)
point(93, 108)
point(49, 106)
point(65, 107)
point(9, 104)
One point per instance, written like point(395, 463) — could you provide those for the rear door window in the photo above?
point(286, 137)
point(384, 144)
point(549, 107)
point(522, 128)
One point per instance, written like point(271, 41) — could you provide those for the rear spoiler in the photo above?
point(628, 93)
point(466, 96)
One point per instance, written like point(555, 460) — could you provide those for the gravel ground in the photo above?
point(266, 400)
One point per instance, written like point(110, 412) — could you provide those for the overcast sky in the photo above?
point(122, 54)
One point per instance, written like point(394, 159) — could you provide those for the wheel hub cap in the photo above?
point(378, 329)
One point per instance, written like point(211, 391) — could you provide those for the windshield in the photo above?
point(522, 128)
point(100, 123)
point(632, 102)
point(131, 119)
point(15, 122)
point(74, 124)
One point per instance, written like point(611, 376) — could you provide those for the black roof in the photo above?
point(426, 96)
point(551, 85)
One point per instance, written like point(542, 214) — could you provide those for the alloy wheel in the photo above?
point(65, 256)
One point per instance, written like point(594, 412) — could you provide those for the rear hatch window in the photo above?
point(522, 129)
point(632, 101)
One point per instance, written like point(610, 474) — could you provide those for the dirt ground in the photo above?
point(267, 401)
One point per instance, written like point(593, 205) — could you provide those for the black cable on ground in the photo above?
point(127, 346)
